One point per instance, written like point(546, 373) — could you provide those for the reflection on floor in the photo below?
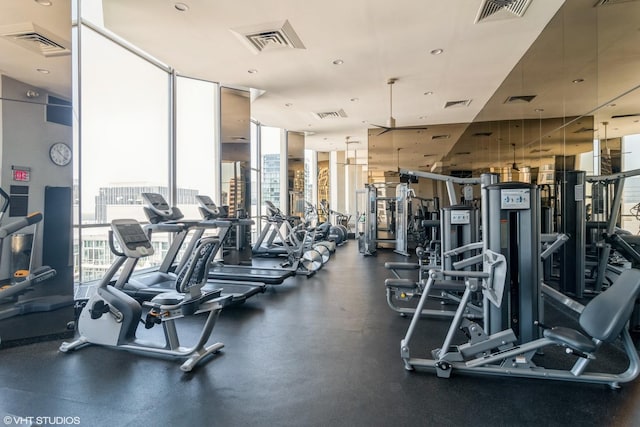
point(314, 351)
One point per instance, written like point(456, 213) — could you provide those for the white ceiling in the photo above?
point(377, 40)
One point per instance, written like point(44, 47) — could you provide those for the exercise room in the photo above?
point(289, 213)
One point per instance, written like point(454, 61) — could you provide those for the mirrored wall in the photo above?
point(570, 103)
point(235, 153)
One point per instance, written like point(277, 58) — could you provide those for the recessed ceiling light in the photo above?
point(422, 117)
point(577, 80)
point(43, 70)
point(288, 104)
point(338, 62)
point(354, 99)
point(428, 93)
point(44, 2)
point(181, 7)
point(364, 121)
point(252, 71)
point(436, 51)
point(539, 110)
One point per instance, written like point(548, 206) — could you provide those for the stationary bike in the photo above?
point(111, 317)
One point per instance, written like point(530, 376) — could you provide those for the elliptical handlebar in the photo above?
point(28, 220)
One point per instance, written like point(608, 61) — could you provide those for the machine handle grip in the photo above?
point(5, 201)
point(21, 223)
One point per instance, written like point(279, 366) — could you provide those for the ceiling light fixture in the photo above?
point(44, 2)
point(32, 94)
point(181, 7)
point(577, 80)
point(354, 99)
point(428, 93)
point(338, 62)
point(43, 70)
point(288, 104)
point(252, 71)
point(539, 110)
point(436, 51)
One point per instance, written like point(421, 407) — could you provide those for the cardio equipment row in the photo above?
point(197, 283)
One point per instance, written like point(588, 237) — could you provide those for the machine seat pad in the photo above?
point(606, 315)
point(570, 338)
point(400, 283)
point(631, 239)
point(168, 298)
point(401, 266)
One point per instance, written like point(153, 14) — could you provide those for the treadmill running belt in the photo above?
point(244, 273)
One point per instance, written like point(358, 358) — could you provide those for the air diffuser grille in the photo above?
point(331, 114)
point(518, 99)
point(608, 2)
point(272, 35)
point(34, 38)
point(455, 104)
point(502, 9)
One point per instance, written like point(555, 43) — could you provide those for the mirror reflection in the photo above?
point(235, 139)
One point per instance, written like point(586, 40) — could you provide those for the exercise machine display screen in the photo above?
point(132, 238)
point(157, 203)
point(207, 203)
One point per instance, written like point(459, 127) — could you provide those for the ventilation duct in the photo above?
point(268, 36)
point(493, 10)
point(35, 38)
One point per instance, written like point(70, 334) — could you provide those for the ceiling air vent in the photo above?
point(454, 104)
point(268, 36)
point(608, 2)
point(493, 10)
point(519, 99)
point(340, 114)
point(622, 116)
point(35, 38)
point(583, 130)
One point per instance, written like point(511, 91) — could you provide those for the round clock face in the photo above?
point(60, 154)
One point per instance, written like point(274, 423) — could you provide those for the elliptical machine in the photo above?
point(111, 317)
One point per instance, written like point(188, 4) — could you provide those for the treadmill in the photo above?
point(269, 276)
point(146, 284)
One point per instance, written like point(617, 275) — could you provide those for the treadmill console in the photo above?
point(157, 204)
point(208, 206)
point(131, 238)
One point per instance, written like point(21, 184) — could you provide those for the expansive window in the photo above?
point(271, 142)
point(630, 151)
point(124, 145)
point(196, 157)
